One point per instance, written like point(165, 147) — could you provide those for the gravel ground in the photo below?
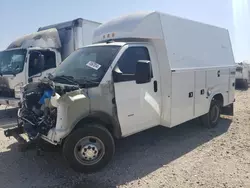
point(185, 156)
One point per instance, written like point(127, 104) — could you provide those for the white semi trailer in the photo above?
point(143, 70)
point(21, 63)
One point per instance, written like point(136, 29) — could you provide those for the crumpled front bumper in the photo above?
point(18, 132)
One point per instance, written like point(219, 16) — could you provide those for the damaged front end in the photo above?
point(36, 112)
point(49, 111)
point(36, 115)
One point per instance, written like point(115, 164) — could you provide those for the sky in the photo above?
point(20, 17)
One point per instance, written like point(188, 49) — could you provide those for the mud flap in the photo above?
point(228, 110)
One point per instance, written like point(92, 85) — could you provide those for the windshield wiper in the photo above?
point(67, 78)
point(87, 80)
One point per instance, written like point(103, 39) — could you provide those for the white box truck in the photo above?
point(242, 75)
point(143, 70)
point(19, 63)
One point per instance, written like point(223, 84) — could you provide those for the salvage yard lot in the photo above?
point(185, 156)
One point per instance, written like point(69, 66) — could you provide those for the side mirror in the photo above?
point(117, 76)
point(143, 72)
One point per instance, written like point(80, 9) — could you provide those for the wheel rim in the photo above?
point(89, 150)
point(215, 113)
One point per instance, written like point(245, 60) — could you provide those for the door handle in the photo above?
point(155, 86)
point(191, 94)
point(218, 73)
point(202, 92)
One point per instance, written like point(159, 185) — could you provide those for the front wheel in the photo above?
point(89, 149)
point(212, 118)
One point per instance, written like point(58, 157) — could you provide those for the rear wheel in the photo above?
point(212, 118)
point(89, 149)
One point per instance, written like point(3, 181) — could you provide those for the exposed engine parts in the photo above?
point(37, 115)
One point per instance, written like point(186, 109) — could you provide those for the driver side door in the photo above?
point(138, 105)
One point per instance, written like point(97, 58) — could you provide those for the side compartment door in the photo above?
point(182, 108)
point(200, 100)
point(138, 105)
point(231, 86)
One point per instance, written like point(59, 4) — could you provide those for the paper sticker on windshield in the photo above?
point(93, 65)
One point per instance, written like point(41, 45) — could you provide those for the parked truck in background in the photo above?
point(242, 75)
point(21, 61)
point(143, 70)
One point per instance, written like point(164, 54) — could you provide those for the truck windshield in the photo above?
point(12, 61)
point(87, 65)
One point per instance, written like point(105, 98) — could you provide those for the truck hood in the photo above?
point(45, 39)
point(71, 97)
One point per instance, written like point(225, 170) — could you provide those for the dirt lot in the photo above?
point(185, 156)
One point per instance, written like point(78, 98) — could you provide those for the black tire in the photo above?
point(210, 120)
point(74, 155)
